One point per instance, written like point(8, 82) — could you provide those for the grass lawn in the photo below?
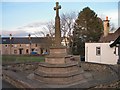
point(22, 58)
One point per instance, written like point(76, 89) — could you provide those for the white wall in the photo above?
point(107, 55)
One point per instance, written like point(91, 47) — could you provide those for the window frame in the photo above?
point(98, 51)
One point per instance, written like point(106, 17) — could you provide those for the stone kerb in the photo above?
point(57, 69)
point(66, 79)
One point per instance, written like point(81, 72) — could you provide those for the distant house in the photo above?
point(65, 41)
point(26, 46)
point(104, 51)
point(23, 45)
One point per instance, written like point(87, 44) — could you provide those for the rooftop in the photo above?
point(111, 36)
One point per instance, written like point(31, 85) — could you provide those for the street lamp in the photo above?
point(29, 41)
point(10, 42)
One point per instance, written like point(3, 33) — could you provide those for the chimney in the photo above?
point(106, 26)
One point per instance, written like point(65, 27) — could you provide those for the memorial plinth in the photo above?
point(58, 67)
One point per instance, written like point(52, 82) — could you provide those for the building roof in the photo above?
point(24, 40)
point(111, 36)
point(117, 41)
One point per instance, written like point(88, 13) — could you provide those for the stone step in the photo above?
point(61, 80)
point(58, 75)
point(43, 64)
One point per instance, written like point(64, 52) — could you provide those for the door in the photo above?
point(20, 51)
point(41, 50)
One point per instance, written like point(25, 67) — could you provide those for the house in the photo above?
point(65, 41)
point(23, 45)
point(115, 44)
point(101, 53)
point(104, 51)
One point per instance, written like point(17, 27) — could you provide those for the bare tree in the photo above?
point(67, 25)
point(39, 33)
point(51, 28)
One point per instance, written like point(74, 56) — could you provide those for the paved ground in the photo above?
point(99, 78)
point(6, 85)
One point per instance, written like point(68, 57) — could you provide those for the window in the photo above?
point(15, 46)
point(27, 45)
point(15, 51)
point(98, 51)
point(4, 40)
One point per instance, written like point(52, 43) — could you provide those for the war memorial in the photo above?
point(59, 70)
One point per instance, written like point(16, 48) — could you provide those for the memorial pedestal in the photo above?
point(58, 68)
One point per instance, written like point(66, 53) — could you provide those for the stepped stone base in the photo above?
point(59, 68)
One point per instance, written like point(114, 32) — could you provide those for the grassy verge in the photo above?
point(22, 58)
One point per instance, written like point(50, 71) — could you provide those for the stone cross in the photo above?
point(57, 8)
point(57, 26)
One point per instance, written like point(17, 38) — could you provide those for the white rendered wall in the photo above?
point(107, 55)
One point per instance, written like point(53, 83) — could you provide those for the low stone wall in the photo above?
point(88, 66)
point(108, 72)
point(111, 85)
point(21, 66)
point(98, 69)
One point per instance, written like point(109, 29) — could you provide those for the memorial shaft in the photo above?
point(57, 26)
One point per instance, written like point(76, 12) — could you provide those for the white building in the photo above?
point(65, 42)
point(101, 53)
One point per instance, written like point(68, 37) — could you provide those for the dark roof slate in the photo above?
point(117, 41)
point(24, 40)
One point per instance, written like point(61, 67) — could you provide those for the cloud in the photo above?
point(14, 33)
point(34, 29)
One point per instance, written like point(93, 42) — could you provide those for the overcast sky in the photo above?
point(20, 14)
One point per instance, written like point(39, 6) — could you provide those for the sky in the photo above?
point(21, 18)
